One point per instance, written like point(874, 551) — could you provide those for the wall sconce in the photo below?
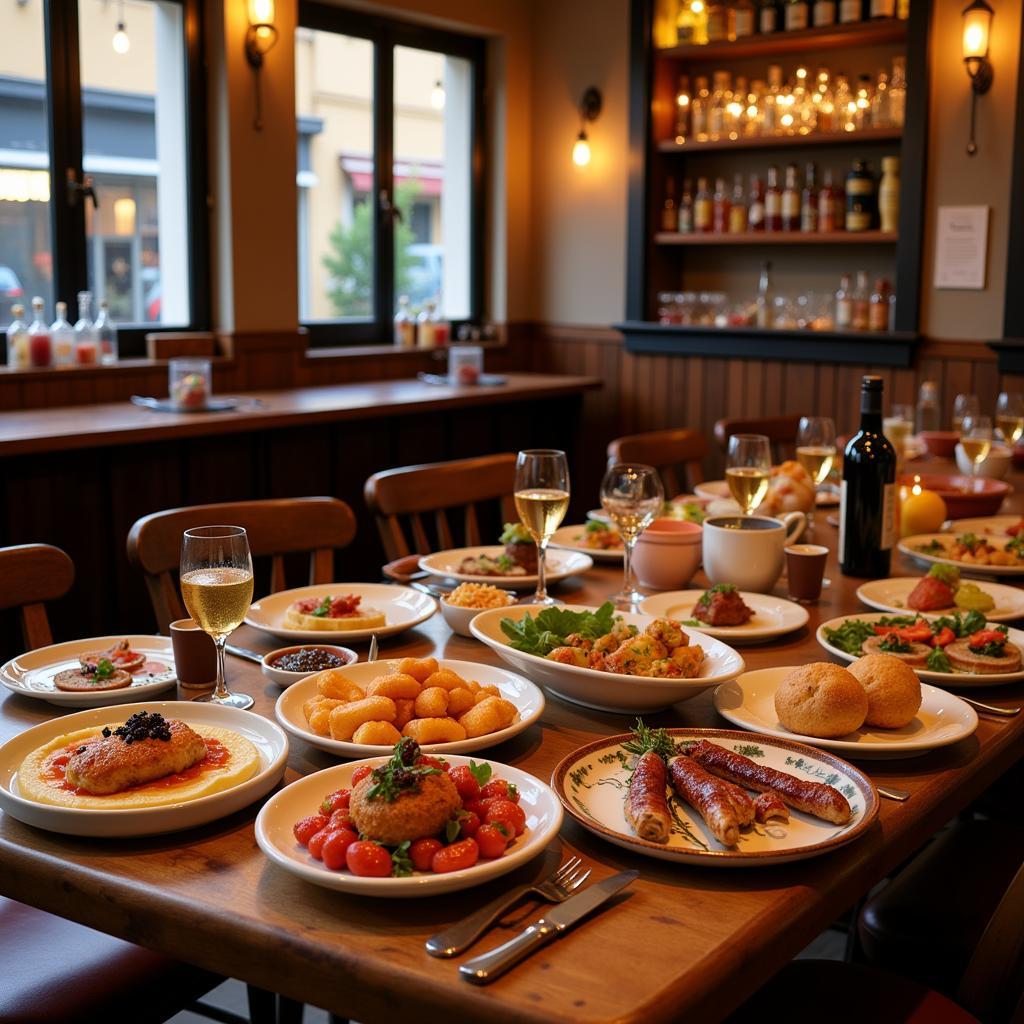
point(590, 107)
point(121, 43)
point(977, 28)
point(259, 40)
point(437, 95)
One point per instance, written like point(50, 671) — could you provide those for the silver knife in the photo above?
point(243, 652)
point(486, 968)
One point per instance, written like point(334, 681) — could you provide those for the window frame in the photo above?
point(65, 129)
point(385, 34)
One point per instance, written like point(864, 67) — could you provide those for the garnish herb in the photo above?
point(938, 661)
point(718, 588)
point(399, 774)
point(656, 741)
point(963, 624)
point(892, 644)
point(933, 547)
point(104, 668)
point(541, 635)
point(948, 574)
point(968, 540)
point(451, 830)
point(323, 609)
point(401, 863)
point(480, 772)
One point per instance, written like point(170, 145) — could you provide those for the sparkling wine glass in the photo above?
point(632, 496)
point(976, 440)
point(542, 499)
point(216, 586)
point(816, 451)
point(1010, 416)
point(748, 467)
point(964, 405)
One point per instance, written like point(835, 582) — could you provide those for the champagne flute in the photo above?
point(216, 586)
point(542, 499)
point(632, 496)
point(748, 466)
point(976, 440)
point(1010, 416)
point(964, 405)
point(816, 451)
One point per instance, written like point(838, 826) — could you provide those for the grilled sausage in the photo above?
point(769, 806)
point(646, 807)
point(707, 796)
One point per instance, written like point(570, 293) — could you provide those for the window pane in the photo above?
point(334, 104)
point(135, 148)
point(26, 260)
point(433, 177)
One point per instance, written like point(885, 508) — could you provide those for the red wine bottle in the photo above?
point(868, 497)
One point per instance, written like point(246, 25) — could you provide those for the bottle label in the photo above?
point(769, 20)
point(702, 214)
point(756, 215)
point(790, 206)
point(860, 186)
point(844, 313)
point(744, 24)
point(849, 10)
point(858, 220)
point(796, 16)
point(737, 220)
point(685, 220)
point(808, 218)
point(824, 12)
point(883, 8)
point(772, 204)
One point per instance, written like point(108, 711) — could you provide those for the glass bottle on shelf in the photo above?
point(699, 109)
point(927, 416)
point(702, 208)
point(883, 8)
point(785, 103)
point(797, 15)
point(839, 205)
point(898, 92)
point(823, 13)
point(845, 106)
point(861, 198)
point(805, 112)
point(736, 110)
point(426, 324)
point(755, 205)
point(768, 17)
point(738, 208)
point(790, 204)
point(844, 304)
point(850, 11)
point(773, 108)
point(772, 201)
point(743, 19)
point(752, 115)
point(106, 335)
point(903, 9)
point(62, 337)
point(17, 339)
point(669, 214)
point(827, 204)
point(809, 201)
point(824, 103)
point(862, 116)
point(40, 348)
point(683, 109)
point(880, 102)
point(720, 208)
point(720, 98)
point(686, 209)
point(889, 194)
point(86, 348)
point(878, 306)
point(717, 21)
point(765, 298)
point(861, 302)
point(687, 33)
point(405, 324)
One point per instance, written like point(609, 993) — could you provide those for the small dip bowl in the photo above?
point(285, 676)
point(459, 618)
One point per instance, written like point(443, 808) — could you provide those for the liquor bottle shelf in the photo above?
point(864, 137)
point(778, 238)
point(831, 37)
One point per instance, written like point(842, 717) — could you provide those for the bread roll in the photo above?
point(893, 689)
point(821, 700)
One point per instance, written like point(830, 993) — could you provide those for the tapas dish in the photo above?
point(452, 565)
point(715, 797)
point(963, 495)
point(751, 702)
point(598, 538)
point(126, 771)
point(717, 612)
point(340, 613)
point(467, 599)
point(790, 489)
point(606, 660)
point(978, 553)
point(443, 795)
point(894, 595)
point(446, 706)
point(95, 672)
point(288, 665)
point(396, 609)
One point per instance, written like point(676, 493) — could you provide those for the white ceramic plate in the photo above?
point(909, 547)
point(591, 783)
point(749, 702)
point(962, 680)
point(567, 538)
point(891, 596)
point(607, 691)
point(266, 736)
point(31, 674)
point(403, 608)
point(773, 616)
point(560, 565)
point(521, 692)
point(987, 526)
point(274, 834)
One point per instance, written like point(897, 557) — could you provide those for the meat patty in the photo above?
point(112, 764)
point(916, 656)
point(523, 554)
point(75, 679)
point(413, 814)
point(965, 660)
point(723, 609)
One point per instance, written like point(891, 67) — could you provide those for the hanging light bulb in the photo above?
point(121, 42)
point(437, 96)
point(581, 150)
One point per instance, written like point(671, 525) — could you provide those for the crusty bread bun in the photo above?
point(821, 700)
point(894, 691)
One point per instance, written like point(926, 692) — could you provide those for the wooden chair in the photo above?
point(667, 451)
point(276, 527)
point(31, 574)
point(435, 489)
point(781, 431)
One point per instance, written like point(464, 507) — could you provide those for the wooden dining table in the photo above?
point(682, 943)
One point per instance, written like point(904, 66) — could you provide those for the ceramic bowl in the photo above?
point(995, 467)
point(283, 677)
point(965, 496)
point(458, 619)
point(940, 443)
point(667, 554)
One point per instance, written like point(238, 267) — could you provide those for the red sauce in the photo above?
point(56, 765)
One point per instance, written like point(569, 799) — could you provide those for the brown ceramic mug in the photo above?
point(805, 566)
point(195, 657)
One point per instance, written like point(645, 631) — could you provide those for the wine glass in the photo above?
point(964, 405)
point(816, 451)
point(542, 499)
point(632, 496)
point(748, 465)
point(976, 440)
point(216, 586)
point(1010, 416)
point(898, 426)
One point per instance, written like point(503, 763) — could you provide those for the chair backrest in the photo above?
point(435, 489)
point(276, 527)
point(29, 575)
point(667, 451)
point(781, 431)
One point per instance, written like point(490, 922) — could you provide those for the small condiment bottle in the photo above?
point(405, 325)
point(62, 336)
point(40, 348)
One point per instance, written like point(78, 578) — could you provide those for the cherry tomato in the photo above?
point(336, 800)
point(506, 811)
point(463, 854)
point(433, 762)
point(468, 824)
point(468, 787)
point(987, 636)
point(368, 859)
point(943, 637)
point(422, 851)
point(919, 632)
point(500, 788)
point(306, 828)
point(334, 847)
point(474, 807)
point(341, 818)
point(491, 840)
point(316, 843)
point(360, 773)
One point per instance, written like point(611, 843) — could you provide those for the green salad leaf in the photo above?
point(962, 623)
point(850, 636)
point(938, 661)
point(541, 635)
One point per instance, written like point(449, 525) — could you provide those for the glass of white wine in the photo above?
point(816, 451)
point(748, 468)
point(632, 495)
point(216, 586)
point(976, 440)
point(964, 405)
point(542, 499)
point(1010, 416)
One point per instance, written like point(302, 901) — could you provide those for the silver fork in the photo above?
point(372, 655)
point(989, 709)
point(555, 889)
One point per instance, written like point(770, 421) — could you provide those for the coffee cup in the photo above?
point(805, 566)
point(195, 657)
point(748, 550)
